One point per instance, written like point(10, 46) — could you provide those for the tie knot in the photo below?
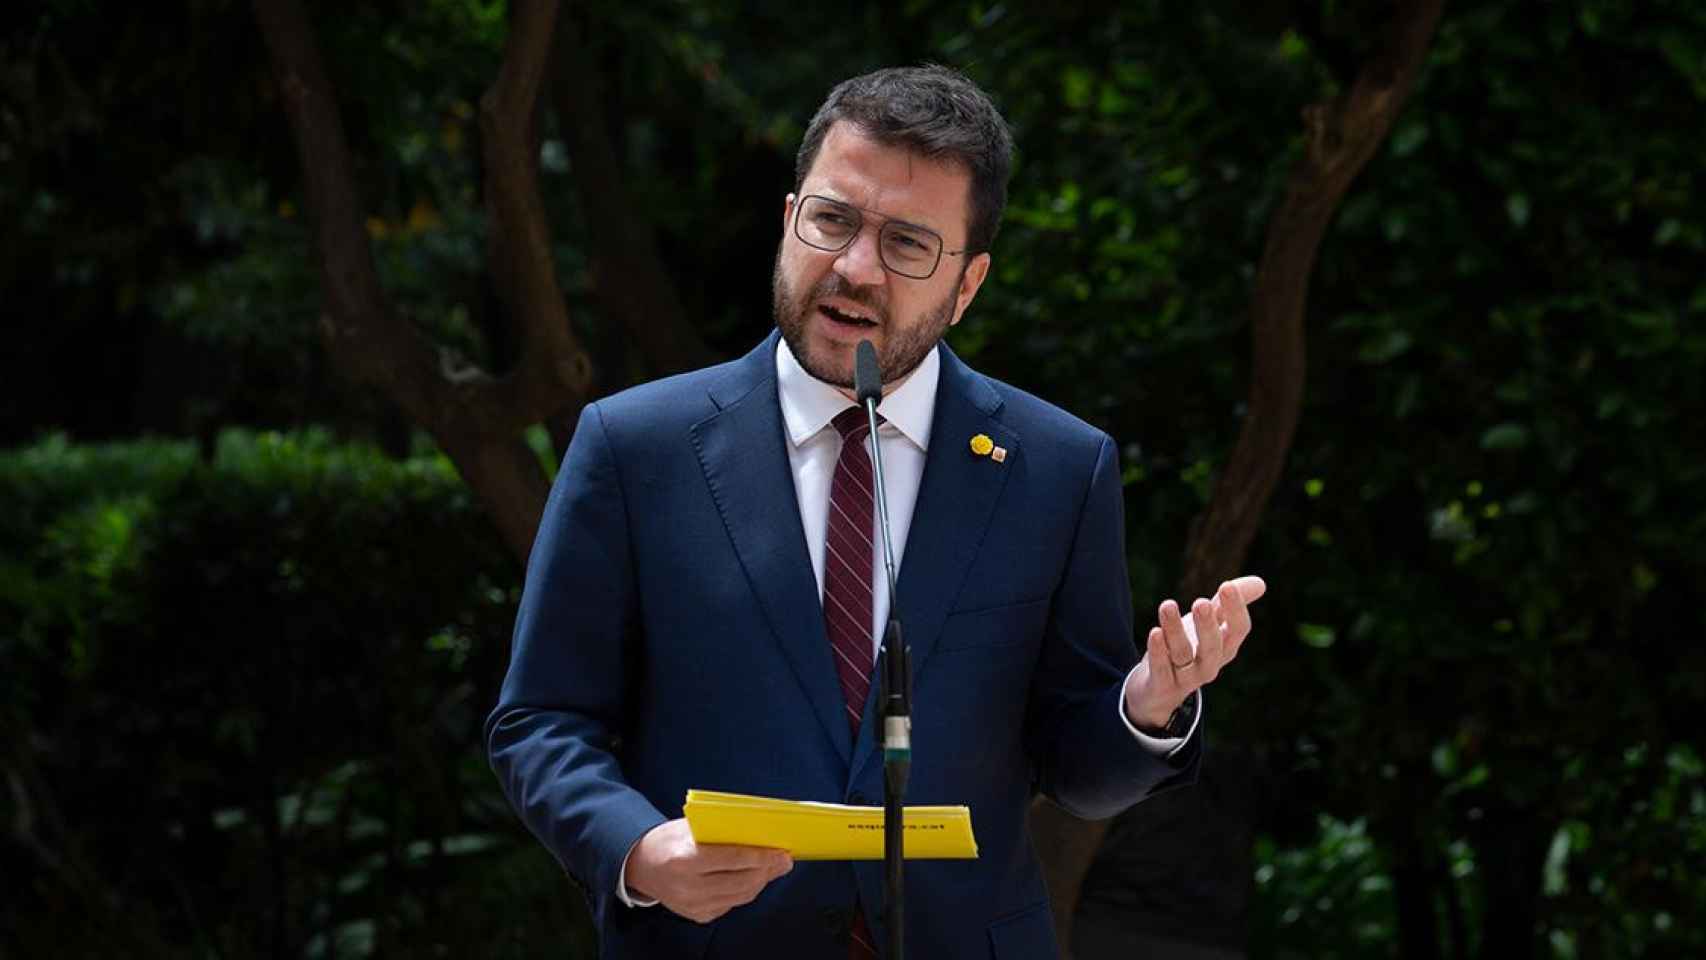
point(852, 423)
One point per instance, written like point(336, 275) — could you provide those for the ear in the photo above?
point(787, 212)
point(976, 271)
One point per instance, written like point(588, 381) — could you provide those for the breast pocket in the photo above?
point(1008, 625)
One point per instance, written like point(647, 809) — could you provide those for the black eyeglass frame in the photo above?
point(883, 225)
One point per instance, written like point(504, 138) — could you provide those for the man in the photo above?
point(701, 600)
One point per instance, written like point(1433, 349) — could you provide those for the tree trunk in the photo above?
point(477, 419)
point(1342, 135)
point(633, 288)
point(1418, 875)
point(1510, 857)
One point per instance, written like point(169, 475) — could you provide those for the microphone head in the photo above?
point(867, 378)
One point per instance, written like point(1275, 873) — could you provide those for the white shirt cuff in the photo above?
point(622, 882)
point(1159, 746)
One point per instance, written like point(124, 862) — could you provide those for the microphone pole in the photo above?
point(896, 691)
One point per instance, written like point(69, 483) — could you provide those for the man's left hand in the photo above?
point(1185, 654)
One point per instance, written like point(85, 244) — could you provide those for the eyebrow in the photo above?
point(828, 194)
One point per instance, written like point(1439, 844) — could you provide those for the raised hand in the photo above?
point(1185, 654)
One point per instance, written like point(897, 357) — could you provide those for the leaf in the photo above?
point(1409, 138)
point(1505, 436)
point(1556, 880)
point(1076, 85)
point(1516, 207)
point(1388, 346)
point(1316, 635)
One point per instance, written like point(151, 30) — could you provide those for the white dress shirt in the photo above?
point(814, 446)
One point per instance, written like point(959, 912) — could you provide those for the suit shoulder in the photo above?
point(676, 401)
point(1038, 421)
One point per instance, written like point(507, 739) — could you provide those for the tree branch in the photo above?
point(475, 418)
point(628, 275)
point(555, 369)
point(1341, 136)
point(370, 343)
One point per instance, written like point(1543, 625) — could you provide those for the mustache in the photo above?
point(835, 285)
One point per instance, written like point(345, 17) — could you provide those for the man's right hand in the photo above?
point(700, 883)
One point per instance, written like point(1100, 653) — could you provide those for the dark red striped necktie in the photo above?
point(847, 564)
point(847, 613)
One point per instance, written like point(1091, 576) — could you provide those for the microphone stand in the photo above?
point(895, 693)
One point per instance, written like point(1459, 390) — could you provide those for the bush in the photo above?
point(243, 704)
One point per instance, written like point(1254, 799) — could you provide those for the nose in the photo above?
point(861, 262)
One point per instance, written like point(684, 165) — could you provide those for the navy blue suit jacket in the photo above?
point(671, 636)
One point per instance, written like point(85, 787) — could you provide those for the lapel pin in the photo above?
point(999, 454)
point(982, 445)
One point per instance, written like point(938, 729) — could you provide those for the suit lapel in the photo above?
point(742, 449)
point(956, 503)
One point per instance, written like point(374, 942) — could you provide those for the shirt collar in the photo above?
point(808, 404)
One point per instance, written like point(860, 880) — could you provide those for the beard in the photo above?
point(903, 349)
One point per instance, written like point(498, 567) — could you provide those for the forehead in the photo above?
point(892, 181)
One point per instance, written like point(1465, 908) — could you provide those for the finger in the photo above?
point(1251, 588)
point(723, 890)
point(715, 905)
point(780, 865)
point(771, 864)
point(1235, 614)
point(1156, 647)
point(1180, 652)
point(1156, 650)
point(728, 887)
point(727, 856)
point(1210, 646)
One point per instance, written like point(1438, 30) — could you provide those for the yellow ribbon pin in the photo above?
point(981, 445)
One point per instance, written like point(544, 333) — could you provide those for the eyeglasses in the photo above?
point(906, 248)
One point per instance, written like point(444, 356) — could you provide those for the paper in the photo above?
point(826, 831)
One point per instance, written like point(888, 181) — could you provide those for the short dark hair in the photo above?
point(936, 112)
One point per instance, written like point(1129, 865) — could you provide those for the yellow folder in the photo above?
point(826, 831)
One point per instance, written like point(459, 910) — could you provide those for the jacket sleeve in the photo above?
point(554, 736)
point(1089, 761)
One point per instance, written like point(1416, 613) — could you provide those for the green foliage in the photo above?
point(253, 685)
point(1486, 549)
point(1335, 896)
point(1503, 362)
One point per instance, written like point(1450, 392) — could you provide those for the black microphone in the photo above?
point(895, 694)
point(867, 376)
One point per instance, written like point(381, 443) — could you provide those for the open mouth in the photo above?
point(845, 318)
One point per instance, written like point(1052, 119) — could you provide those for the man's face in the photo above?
point(826, 302)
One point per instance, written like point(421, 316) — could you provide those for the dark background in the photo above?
point(251, 617)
